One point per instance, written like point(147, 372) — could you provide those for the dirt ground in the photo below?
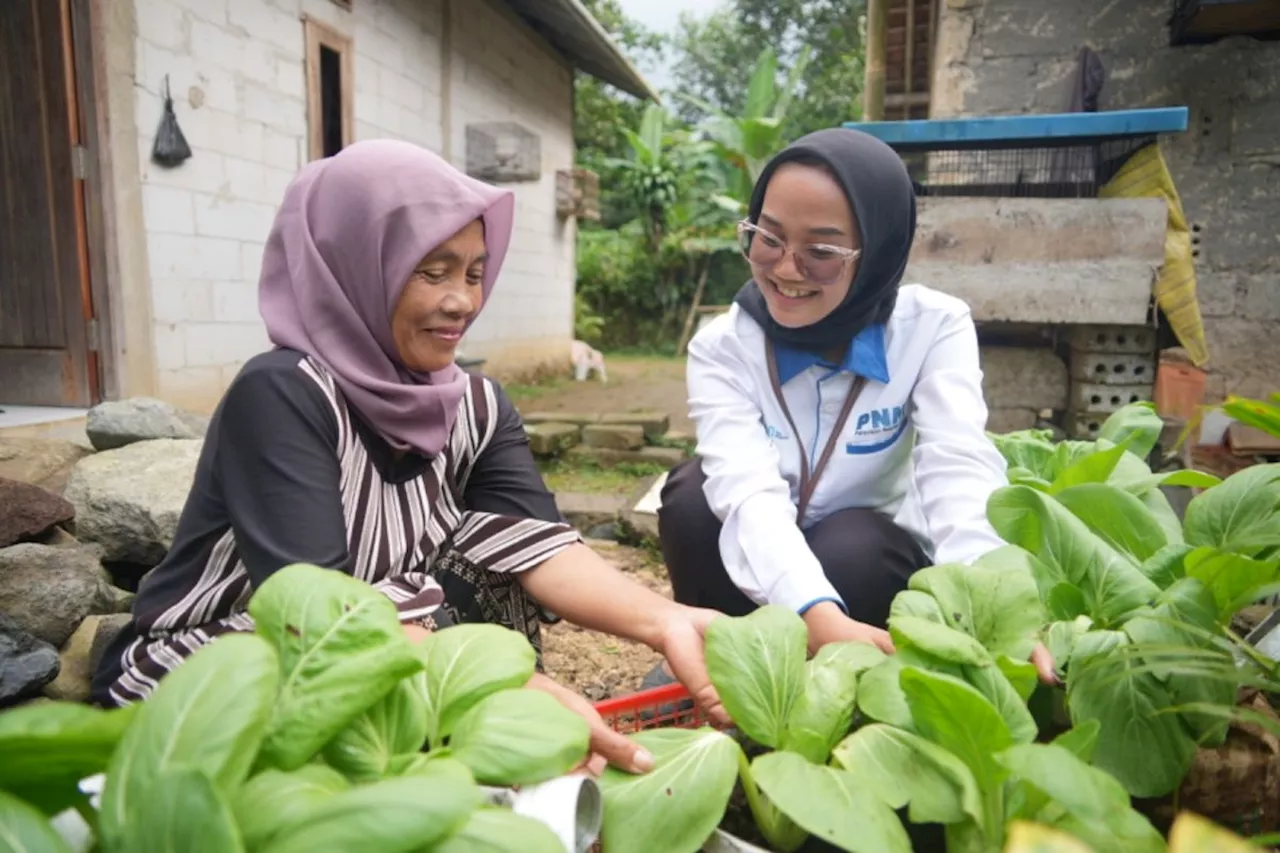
point(597, 665)
point(636, 384)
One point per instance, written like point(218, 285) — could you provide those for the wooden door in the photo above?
point(45, 302)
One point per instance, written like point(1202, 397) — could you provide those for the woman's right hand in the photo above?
point(828, 624)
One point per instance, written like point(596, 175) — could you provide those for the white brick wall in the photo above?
point(236, 72)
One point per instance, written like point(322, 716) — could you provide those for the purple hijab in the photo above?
point(349, 233)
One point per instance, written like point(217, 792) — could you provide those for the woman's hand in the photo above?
point(607, 746)
point(1044, 665)
point(682, 642)
point(828, 624)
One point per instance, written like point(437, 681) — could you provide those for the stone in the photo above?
point(654, 424)
point(1023, 378)
point(109, 626)
point(49, 591)
point(128, 500)
point(578, 418)
point(1010, 420)
point(663, 457)
point(117, 423)
point(588, 511)
point(27, 663)
point(550, 439)
point(613, 437)
point(75, 673)
point(28, 512)
point(41, 462)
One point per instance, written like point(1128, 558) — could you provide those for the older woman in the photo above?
point(358, 445)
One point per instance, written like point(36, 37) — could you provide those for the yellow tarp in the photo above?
point(1145, 175)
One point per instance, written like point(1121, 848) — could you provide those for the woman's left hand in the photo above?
point(682, 643)
point(1044, 665)
point(607, 745)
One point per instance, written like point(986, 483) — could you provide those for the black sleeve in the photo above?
point(505, 479)
point(277, 465)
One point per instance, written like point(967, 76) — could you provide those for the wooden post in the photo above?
point(873, 84)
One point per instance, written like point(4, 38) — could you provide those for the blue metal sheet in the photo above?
point(1027, 130)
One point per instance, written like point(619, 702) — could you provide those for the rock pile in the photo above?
point(75, 527)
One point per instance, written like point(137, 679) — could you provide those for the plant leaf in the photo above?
point(209, 714)
point(23, 829)
point(1021, 674)
point(45, 750)
point(676, 805)
point(834, 805)
point(1192, 833)
point(1094, 467)
point(911, 602)
point(1119, 518)
point(466, 663)
point(940, 641)
point(1000, 609)
point(880, 695)
point(757, 665)
point(395, 725)
point(958, 718)
point(1065, 602)
point(1112, 584)
point(1136, 425)
point(823, 713)
point(341, 650)
point(1234, 580)
point(183, 810)
point(399, 815)
point(760, 89)
point(274, 801)
point(519, 737)
point(1061, 639)
point(1166, 565)
point(1027, 837)
point(992, 683)
point(1080, 740)
point(1162, 511)
point(497, 830)
point(1147, 750)
point(1242, 515)
point(903, 768)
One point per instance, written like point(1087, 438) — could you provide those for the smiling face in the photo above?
point(444, 292)
point(804, 206)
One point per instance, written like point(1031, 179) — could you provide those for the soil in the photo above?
point(635, 385)
point(601, 666)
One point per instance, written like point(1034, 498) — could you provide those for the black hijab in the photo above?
point(876, 183)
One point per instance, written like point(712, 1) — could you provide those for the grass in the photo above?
point(586, 477)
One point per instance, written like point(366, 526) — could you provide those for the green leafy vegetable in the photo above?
point(937, 640)
point(823, 713)
point(519, 737)
point(678, 804)
point(466, 663)
point(275, 800)
point(1233, 579)
point(1137, 425)
point(902, 768)
point(1242, 515)
point(757, 665)
point(184, 811)
point(395, 725)
point(998, 608)
point(1119, 518)
point(209, 715)
point(45, 750)
point(341, 650)
point(833, 805)
point(23, 828)
point(493, 830)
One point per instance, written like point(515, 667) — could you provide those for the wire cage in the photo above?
point(1071, 155)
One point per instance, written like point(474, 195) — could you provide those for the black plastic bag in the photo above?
point(171, 147)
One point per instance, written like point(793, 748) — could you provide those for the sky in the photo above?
point(661, 15)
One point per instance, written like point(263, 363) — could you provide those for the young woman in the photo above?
point(358, 445)
point(839, 416)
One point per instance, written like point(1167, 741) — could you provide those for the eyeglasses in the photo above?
point(819, 263)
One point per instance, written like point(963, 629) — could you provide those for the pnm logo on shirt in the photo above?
point(878, 420)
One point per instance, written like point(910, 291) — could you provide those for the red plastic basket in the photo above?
point(645, 710)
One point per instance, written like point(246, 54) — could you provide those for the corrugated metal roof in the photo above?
point(578, 35)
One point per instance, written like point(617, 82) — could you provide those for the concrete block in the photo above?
point(579, 418)
point(1137, 340)
point(168, 210)
point(1042, 260)
point(550, 439)
point(666, 457)
point(1085, 425)
point(654, 424)
point(165, 25)
point(174, 256)
point(1023, 378)
point(1094, 398)
point(1216, 293)
point(613, 436)
point(1010, 420)
point(1112, 369)
point(217, 216)
point(1262, 297)
point(235, 301)
point(587, 511)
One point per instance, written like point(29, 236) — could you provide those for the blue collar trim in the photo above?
point(865, 357)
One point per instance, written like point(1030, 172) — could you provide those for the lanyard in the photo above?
point(808, 479)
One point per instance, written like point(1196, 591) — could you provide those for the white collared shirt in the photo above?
point(914, 446)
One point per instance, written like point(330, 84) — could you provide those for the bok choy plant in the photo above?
point(324, 730)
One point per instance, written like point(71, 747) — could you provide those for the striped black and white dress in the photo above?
point(289, 473)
